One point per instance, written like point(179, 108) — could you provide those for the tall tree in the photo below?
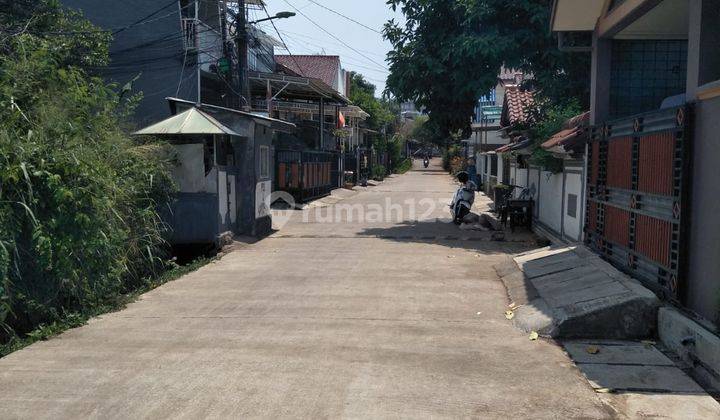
point(383, 112)
point(448, 53)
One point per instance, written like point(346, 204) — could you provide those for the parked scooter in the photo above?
point(463, 199)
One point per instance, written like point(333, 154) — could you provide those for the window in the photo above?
point(493, 165)
point(208, 153)
point(572, 205)
point(264, 162)
point(709, 39)
point(644, 73)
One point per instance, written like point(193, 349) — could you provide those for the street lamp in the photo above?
point(279, 15)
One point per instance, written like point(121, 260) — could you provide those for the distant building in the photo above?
point(506, 99)
point(409, 111)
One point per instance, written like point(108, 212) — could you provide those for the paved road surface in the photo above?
point(367, 318)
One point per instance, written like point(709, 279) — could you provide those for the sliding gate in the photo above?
point(306, 175)
point(637, 193)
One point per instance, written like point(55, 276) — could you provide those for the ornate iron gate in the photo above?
point(637, 194)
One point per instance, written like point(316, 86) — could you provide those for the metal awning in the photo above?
point(294, 87)
point(192, 121)
point(274, 123)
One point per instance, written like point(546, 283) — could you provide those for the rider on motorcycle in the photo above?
point(463, 199)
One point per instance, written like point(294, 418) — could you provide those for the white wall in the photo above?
point(533, 186)
point(551, 195)
point(189, 173)
point(572, 226)
point(551, 200)
point(222, 196)
point(521, 179)
point(500, 169)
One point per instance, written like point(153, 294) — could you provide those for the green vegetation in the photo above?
point(383, 112)
point(551, 119)
point(452, 159)
point(78, 319)
point(79, 222)
point(404, 166)
point(378, 172)
point(449, 53)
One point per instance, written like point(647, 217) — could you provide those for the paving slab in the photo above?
point(640, 381)
point(624, 353)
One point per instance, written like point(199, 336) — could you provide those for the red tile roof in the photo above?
point(517, 105)
point(323, 67)
point(572, 137)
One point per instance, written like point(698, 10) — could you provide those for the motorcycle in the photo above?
point(462, 202)
point(426, 162)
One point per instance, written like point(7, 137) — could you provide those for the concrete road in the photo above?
point(337, 315)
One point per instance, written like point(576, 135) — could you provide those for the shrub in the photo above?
point(404, 166)
point(378, 172)
point(79, 200)
point(452, 159)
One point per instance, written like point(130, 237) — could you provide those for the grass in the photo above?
point(74, 320)
point(404, 166)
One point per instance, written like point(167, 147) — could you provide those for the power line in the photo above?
point(345, 59)
point(330, 34)
point(289, 33)
point(283, 41)
point(148, 17)
point(345, 17)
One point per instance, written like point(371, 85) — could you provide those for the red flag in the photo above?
point(341, 120)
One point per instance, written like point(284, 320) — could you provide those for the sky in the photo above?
point(367, 48)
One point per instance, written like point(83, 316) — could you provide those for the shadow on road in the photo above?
point(443, 232)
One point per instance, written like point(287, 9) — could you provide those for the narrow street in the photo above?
point(327, 318)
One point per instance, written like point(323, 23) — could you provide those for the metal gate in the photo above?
point(637, 194)
point(306, 175)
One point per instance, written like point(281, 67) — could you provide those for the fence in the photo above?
point(307, 175)
point(638, 172)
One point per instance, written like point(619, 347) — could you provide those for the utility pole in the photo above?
point(241, 39)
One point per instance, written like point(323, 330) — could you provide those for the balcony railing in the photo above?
point(190, 33)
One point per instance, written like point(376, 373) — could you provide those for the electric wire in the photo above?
point(330, 34)
point(283, 41)
point(345, 17)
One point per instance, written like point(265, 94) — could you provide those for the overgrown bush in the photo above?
point(378, 172)
point(453, 160)
point(404, 166)
point(79, 200)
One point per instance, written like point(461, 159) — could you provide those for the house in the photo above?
point(167, 49)
point(310, 93)
point(328, 70)
point(558, 187)
point(223, 171)
point(497, 131)
point(651, 203)
point(486, 126)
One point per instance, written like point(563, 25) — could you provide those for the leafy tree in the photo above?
point(383, 112)
point(79, 202)
point(448, 54)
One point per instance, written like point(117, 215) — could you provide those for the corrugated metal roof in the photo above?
point(192, 121)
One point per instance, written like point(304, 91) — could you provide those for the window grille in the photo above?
point(644, 73)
